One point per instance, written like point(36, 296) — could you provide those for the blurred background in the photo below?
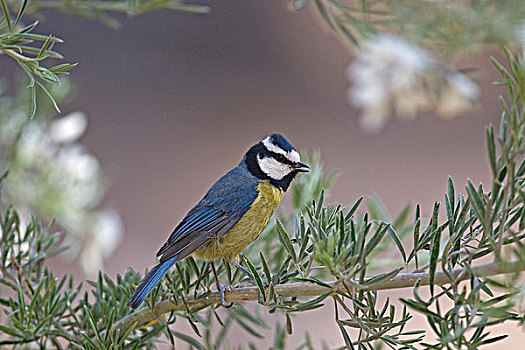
point(175, 99)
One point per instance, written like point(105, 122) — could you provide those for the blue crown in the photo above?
point(281, 142)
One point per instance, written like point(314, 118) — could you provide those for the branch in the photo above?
point(119, 6)
point(303, 289)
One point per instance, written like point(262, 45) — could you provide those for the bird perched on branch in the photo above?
point(232, 214)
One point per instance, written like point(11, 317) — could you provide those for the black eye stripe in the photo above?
point(263, 151)
point(280, 158)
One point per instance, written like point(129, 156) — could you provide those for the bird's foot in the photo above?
point(221, 288)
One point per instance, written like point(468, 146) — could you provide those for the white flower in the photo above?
point(387, 73)
point(463, 85)
point(409, 104)
point(386, 51)
point(11, 126)
point(34, 145)
point(59, 178)
point(68, 128)
point(79, 163)
point(107, 231)
point(451, 103)
point(392, 75)
point(369, 88)
point(375, 118)
point(457, 96)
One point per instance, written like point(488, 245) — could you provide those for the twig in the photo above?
point(118, 6)
point(303, 289)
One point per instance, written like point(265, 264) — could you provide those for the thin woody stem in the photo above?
point(303, 289)
point(117, 6)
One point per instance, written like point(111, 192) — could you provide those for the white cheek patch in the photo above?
point(273, 168)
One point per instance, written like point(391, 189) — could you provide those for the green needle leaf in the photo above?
point(285, 240)
point(288, 323)
point(7, 16)
point(434, 254)
point(491, 148)
point(266, 269)
point(476, 201)
point(190, 340)
point(398, 243)
point(257, 278)
point(353, 209)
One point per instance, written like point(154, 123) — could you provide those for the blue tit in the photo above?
point(232, 214)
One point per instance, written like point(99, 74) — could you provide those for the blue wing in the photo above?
point(220, 209)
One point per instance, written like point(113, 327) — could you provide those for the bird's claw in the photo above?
point(222, 288)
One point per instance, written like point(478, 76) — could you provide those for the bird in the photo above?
point(231, 214)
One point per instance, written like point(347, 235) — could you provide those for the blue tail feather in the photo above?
point(150, 281)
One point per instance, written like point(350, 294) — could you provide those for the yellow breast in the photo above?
point(247, 229)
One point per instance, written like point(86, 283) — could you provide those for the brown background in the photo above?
point(175, 99)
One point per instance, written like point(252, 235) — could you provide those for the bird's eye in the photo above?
point(280, 158)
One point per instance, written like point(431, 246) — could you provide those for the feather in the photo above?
point(149, 282)
point(220, 209)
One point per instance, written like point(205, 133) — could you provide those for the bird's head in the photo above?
point(276, 160)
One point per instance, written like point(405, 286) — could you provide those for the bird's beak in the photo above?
point(301, 167)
